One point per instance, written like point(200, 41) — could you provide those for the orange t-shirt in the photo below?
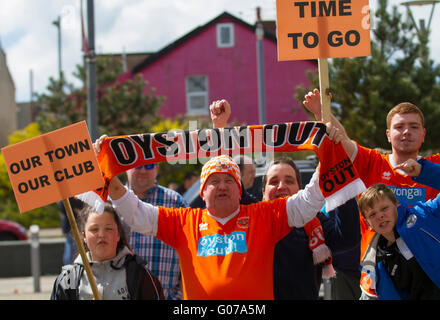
point(231, 261)
point(373, 168)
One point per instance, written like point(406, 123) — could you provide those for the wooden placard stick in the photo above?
point(324, 89)
point(81, 249)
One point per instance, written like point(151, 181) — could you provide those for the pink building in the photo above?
point(219, 61)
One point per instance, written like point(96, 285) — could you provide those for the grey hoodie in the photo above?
point(110, 277)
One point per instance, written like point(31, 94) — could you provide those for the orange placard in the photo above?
point(52, 167)
point(322, 29)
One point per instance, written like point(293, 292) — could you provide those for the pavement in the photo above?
point(25, 288)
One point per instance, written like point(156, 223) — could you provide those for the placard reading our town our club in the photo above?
point(52, 167)
point(322, 29)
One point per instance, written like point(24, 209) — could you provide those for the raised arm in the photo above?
point(140, 216)
point(312, 102)
point(116, 188)
point(305, 204)
point(411, 167)
point(220, 111)
point(422, 171)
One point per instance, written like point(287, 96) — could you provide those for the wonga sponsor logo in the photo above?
point(409, 195)
point(222, 245)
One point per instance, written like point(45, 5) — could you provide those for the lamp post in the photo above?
point(422, 29)
point(259, 32)
point(92, 98)
point(57, 23)
point(409, 4)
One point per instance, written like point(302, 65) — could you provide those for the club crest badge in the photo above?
point(203, 226)
point(411, 221)
point(243, 222)
point(386, 175)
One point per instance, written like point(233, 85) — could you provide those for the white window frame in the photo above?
point(231, 43)
point(204, 94)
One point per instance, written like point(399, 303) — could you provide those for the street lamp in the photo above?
point(413, 3)
point(259, 32)
point(92, 98)
point(57, 23)
point(422, 29)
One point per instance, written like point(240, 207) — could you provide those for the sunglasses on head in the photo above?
point(146, 167)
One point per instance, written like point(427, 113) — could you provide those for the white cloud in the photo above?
point(30, 39)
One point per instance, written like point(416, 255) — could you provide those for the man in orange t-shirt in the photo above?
point(233, 260)
point(406, 134)
point(226, 250)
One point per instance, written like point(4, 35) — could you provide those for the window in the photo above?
point(197, 94)
point(225, 35)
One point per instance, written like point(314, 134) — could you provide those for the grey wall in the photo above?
point(15, 257)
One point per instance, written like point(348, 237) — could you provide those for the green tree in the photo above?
point(47, 216)
point(124, 107)
point(175, 172)
point(399, 69)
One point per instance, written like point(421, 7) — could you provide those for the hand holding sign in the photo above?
point(312, 102)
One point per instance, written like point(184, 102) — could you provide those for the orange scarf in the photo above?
point(321, 253)
point(339, 180)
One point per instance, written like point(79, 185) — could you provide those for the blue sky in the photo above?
point(29, 38)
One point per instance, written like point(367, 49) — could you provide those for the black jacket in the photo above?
point(141, 283)
point(295, 275)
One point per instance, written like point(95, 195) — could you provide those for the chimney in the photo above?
point(258, 14)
